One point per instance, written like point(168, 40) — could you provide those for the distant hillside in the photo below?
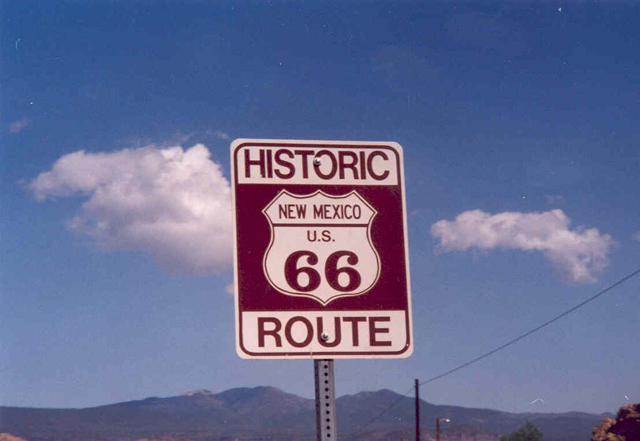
point(269, 413)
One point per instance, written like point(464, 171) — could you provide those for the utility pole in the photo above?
point(417, 410)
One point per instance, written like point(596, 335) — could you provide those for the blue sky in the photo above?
point(511, 109)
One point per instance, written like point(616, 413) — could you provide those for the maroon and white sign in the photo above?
point(321, 258)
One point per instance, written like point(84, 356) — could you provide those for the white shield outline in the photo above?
point(324, 301)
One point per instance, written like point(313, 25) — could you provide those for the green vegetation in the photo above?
point(528, 432)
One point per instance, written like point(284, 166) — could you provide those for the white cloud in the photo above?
point(579, 254)
point(172, 203)
point(221, 135)
point(19, 126)
point(637, 236)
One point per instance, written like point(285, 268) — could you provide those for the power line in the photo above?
point(499, 348)
point(526, 334)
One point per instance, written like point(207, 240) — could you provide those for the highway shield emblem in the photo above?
point(321, 246)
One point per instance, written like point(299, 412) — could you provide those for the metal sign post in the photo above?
point(321, 256)
point(325, 400)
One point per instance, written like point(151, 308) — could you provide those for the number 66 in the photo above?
point(331, 271)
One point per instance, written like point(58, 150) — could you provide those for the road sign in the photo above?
point(321, 257)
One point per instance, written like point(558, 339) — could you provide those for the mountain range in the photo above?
point(267, 413)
